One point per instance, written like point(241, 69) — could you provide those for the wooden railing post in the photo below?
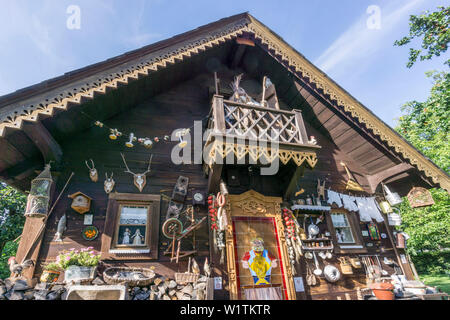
point(218, 114)
point(301, 126)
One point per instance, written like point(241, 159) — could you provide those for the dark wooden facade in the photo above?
point(174, 96)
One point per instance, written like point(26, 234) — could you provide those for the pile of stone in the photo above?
point(20, 290)
point(168, 289)
point(161, 288)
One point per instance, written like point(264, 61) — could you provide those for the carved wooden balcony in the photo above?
point(262, 134)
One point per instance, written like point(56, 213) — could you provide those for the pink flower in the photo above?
point(90, 248)
point(92, 252)
point(67, 258)
point(72, 249)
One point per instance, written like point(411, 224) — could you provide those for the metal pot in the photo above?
point(331, 273)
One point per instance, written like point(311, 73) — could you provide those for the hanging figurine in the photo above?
point(320, 189)
point(114, 134)
point(140, 179)
point(62, 226)
point(93, 173)
point(109, 183)
point(147, 142)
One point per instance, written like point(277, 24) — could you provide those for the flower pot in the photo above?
point(383, 291)
point(50, 276)
point(79, 274)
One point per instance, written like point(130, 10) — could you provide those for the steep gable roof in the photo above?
point(81, 85)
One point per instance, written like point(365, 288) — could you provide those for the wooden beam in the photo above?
point(375, 179)
point(293, 184)
point(43, 139)
point(215, 173)
point(238, 56)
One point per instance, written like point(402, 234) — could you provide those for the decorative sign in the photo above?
point(88, 219)
point(420, 197)
point(299, 286)
point(365, 233)
point(218, 283)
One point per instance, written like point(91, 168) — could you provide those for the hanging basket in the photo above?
point(135, 277)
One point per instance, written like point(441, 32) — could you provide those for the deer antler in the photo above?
point(128, 169)
point(149, 165)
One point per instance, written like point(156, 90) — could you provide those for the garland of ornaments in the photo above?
point(293, 242)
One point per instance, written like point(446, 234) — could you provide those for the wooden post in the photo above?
point(215, 172)
point(301, 126)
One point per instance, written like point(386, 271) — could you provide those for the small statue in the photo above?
point(138, 238)
point(126, 236)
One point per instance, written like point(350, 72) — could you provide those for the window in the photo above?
point(342, 228)
point(131, 227)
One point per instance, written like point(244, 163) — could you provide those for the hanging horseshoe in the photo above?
point(93, 173)
point(109, 183)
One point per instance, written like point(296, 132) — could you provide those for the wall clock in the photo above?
point(198, 198)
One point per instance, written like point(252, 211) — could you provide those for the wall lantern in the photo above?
point(39, 197)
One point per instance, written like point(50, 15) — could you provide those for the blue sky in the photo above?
point(36, 44)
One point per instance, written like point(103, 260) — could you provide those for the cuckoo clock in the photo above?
point(81, 203)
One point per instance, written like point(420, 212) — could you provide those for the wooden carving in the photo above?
point(351, 183)
point(140, 179)
point(420, 197)
point(321, 189)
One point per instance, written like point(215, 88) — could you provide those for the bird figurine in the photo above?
point(62, 226)
point(312, 140)
point(207, 268)
point(195, 267)
point(16, 268)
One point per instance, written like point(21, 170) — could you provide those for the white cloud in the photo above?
point(359, 43)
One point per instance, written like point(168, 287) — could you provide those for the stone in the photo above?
point(20, 285)
point(200, 285)
point(188, 289)
point(162, 288)
point(57, 287)
point(145, 289)
point(172, 284)
point(8, 284)
point(179, 295)
point(154, 288)
point(40, 294)
point(3, 290)
point(142, 295)
point(158, 281)
point(16, 295)
point(172, 292)
point(185, 297)
point(42, 286)
point(113, 292)
point(29, 295)
point(153, 296)
point(166, 297)
point(2, 297)
point(98, 281)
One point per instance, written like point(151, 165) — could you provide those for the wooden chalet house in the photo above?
point(275, 230)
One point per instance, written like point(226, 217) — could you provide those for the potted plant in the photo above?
point(51, 272)
point(79, 265)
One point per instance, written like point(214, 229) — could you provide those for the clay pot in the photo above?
point(383, 291)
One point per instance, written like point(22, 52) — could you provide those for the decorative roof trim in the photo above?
point(47, 105)
point(346, 101)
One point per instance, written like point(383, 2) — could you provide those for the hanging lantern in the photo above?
point(39, 197)
point(392, 197)
point(130, 144)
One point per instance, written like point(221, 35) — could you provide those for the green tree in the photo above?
point(433, 29)
point(12, 207)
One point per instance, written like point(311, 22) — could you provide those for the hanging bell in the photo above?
point(392, 197)
point(130, 144)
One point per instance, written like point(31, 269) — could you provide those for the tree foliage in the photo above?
point(433, 29)
point(12, 207)
point(427, 124)
point(429, 227)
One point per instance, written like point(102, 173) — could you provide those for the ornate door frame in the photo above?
point(254, 204)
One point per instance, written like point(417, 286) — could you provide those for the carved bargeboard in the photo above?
point(245, 211)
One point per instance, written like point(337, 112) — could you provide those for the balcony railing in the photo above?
point(247, 123)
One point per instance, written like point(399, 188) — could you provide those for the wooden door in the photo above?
point(257, 258)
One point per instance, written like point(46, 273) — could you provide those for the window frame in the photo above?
point(358, 245)
point(349, 226)
point(110, 248)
